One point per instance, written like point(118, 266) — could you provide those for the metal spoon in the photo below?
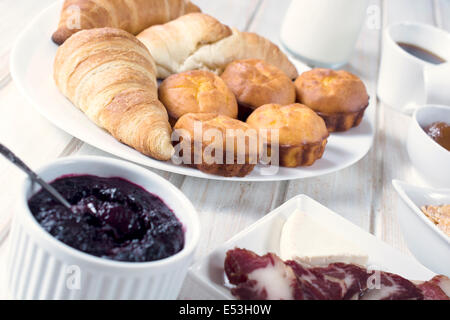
point(33, 176)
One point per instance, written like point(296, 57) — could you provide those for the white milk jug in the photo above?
point(323, 33)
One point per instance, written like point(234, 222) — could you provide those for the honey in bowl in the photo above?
point(440, 132)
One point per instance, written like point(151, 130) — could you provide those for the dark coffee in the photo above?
point(421, 53)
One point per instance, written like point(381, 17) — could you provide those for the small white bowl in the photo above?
point(429, 244)
point(430, 159)
point(41, 267)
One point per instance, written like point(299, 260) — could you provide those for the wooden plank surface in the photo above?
point(21, 127)
point(362, 193)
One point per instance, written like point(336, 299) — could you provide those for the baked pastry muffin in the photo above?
point(255, 83)
point(339, 97)
point(196, 91)
point(217, 144)
point(302, 133)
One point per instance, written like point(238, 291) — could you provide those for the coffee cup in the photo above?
point(415, 66)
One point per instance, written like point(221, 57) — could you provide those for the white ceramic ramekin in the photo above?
point(430, 159)
point(429, 244)
point(41, 267)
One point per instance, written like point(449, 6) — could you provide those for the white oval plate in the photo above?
point(32, 70)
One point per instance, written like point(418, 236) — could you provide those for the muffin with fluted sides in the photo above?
point(339, 97)
point(302, 134)
point(217, 144)
point(196, 91)
point(256, 83)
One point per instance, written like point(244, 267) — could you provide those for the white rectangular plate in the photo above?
point(263, 237)
point(32, 70)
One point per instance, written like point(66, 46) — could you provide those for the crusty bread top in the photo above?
point(330, 91)
point(91, 47)
point(256, 82)
point(197, 91)
point(228, 128)
point(199, 41)
point(129, 15)
point(172, 43)
point(296, 123)
point(211, 121)
point(111, 77)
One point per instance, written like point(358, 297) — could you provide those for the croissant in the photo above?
point(130, 15)
point(199, 41)
point(111, 77)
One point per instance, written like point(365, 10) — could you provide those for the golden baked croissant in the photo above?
point(130, 15)
point(111, 77)
point(198, 41)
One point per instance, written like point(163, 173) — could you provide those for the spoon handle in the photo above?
point(19, 163)
point(14, 159)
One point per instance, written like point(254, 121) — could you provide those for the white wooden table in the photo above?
point(362, 193)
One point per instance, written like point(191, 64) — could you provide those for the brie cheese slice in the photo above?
point(306, 239)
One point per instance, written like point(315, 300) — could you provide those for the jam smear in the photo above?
point(110, 218)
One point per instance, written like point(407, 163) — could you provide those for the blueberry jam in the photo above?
point(110, 218)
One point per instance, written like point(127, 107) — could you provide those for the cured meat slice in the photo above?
point(268, 278)
point(351, 278)
point(393, 287)
point(336, 282)
point(260, 277)
point(437, 288)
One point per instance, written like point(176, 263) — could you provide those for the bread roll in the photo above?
point(198, 41)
